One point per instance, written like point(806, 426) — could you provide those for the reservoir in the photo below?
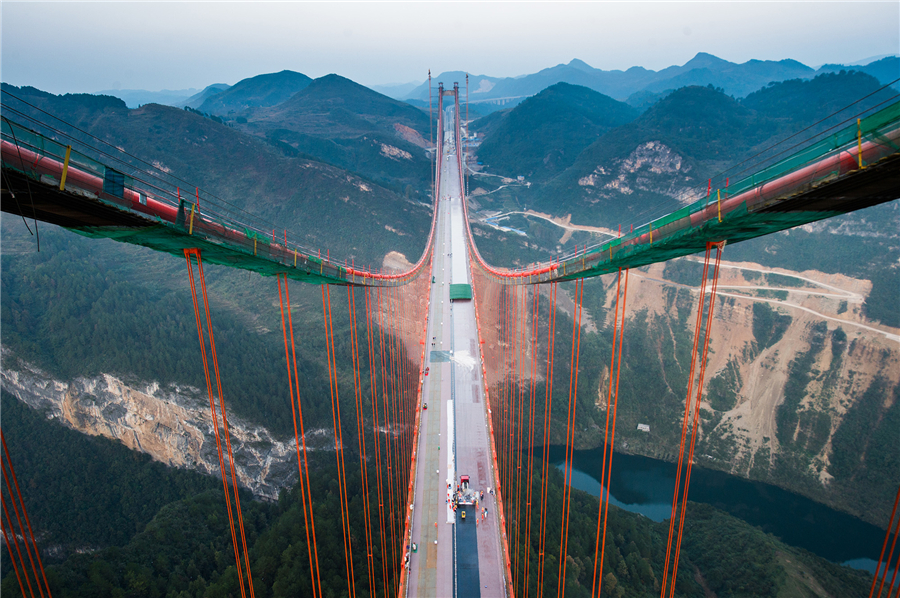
point(643, 485)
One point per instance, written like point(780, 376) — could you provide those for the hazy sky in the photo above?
point(89, 46)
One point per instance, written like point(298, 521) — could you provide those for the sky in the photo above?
point(67, 47)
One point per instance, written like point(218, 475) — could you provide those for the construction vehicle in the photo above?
point(466, 495)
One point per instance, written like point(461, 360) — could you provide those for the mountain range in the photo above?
point(691, 134)
point(703, 69)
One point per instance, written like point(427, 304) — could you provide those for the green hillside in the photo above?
point(543, 135)
point(334, 107)
point(184, 549)
point(694, 133)
point(344, 124)
point(321, 206)
point(799, 101)
point(255, 92)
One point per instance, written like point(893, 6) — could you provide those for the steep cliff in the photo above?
point(172, 424)
point(794, 369)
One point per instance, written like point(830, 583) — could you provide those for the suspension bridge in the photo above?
point(452, 505)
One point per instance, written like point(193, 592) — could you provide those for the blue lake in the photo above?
point(643, 485)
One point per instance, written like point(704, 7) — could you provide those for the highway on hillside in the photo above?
point(453, 557)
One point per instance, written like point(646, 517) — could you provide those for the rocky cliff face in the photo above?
point(171, 424)
point(791, 358)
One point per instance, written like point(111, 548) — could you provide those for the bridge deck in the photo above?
point(454, 557)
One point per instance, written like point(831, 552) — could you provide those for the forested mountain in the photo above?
point(557, 123)
point(196, 100)
point(316, 199)
point(340, 122)
point(255, 92)
point(337, 107)
point(664, 157)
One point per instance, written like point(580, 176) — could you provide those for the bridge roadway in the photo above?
point(454, 558)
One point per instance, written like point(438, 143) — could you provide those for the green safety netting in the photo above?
point(221, 241)
point(771, 204)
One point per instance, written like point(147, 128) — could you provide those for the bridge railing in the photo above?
point(850, 149)
point(60, 154)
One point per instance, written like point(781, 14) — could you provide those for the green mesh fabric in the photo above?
point(164, 238)
point(674, 235)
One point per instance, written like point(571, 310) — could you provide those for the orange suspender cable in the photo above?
point(18, 550)
point(501, 395)
point(887, 535)
point(580, 308)
point(386, 379)
point(888, 561)
point(507, 376)
point(302, 464)
point(385, 403)
point(534, 326)
point(893, 578)
point(612, 363)
point(212, 406)
point(523, 324)
point(393, 464)
point(402, 465)
point(215, 360)
point(894, 575)
point(364, 477)
point(570, 434)
point(612, 439)
point(10, 553)
point(513, 403)
point(684, 421)
point(696, 416)
point(548, 400)
point(402, 462)
point(508, 379)
point(37, 554)
point(404, 403)
point(567, 462)
point(504, 396)
point(227, 434)
point(375, 432)
point(338, 439)
point(34, 570)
